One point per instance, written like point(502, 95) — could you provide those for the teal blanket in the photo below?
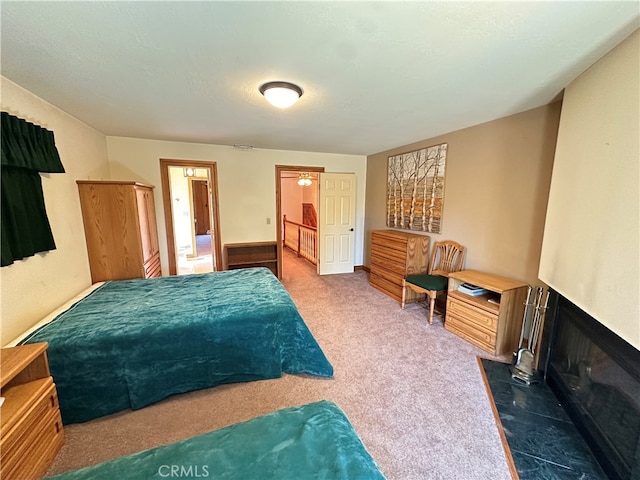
point(131, 343)
point(314, 441)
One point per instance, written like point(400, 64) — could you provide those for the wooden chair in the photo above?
point(446, 257)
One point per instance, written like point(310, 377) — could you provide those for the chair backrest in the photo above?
point(446, 257)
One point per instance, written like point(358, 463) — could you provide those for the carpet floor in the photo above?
point(413, 391)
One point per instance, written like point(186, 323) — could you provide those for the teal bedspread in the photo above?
point(314, 441)
point(131, 343)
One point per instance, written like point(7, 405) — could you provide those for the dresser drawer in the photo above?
point(481, 338)
point(34, 440)
point(36, 456)
point(394, 278)
point(399, 256)
point(22, 402)
point(152, 267)
point(393, 265)
point(390, 241)
point(392, 289)
point(472, 314)
point(389, 285)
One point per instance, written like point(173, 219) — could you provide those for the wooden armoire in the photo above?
point(120, 228)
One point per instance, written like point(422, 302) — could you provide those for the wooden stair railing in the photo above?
point(309, 215)
point(300, 238)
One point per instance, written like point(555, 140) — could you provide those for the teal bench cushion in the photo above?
point(429, 282)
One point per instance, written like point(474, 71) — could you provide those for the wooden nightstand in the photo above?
point(491, 321)
point(31, 431)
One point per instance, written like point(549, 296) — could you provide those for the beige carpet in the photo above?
point(413, 392)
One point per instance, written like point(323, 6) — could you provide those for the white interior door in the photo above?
point(337, 222)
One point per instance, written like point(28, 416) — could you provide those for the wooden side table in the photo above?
point(31, 432)
point(491, 321)
point(252, 254)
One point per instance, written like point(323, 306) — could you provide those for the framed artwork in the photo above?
point(415, 189)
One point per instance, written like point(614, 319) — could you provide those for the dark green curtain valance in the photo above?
point(27, 150)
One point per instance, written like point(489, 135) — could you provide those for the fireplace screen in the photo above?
point(599, 386)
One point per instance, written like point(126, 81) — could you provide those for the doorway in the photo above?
point(190, 198)
point(200, 198)
point(286, 174)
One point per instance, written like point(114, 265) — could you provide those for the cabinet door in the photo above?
point(147, 219)
point(153, 227)
point(110, 218)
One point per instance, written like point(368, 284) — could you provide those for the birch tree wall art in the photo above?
point(415, 189)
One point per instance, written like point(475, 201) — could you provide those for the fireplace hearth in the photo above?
point(596, 376)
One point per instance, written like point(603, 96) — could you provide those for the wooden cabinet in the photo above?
point(394, 255)
point(254, 254)
point(120, 228)
point(491, 321)
point(31, 432)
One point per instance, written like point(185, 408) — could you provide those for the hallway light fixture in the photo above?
point(304, 179)
point(189, 172)
point(281, 94)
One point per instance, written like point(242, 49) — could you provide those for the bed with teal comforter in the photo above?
point(131, 343)
point(313, 441)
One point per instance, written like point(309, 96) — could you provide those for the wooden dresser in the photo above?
point(394, 255)
point(491, 321)
point(120, 228)
point(31, 431)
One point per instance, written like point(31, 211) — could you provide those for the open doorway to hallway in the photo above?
point(190, 196)
point(297, 212)
point(193, 240)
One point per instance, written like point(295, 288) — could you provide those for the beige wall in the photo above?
point(33, 287)
point(293, 196)
point(310, 194)
point(496, 187)
point(246, 183)
point(592, 234)
point(291, 199)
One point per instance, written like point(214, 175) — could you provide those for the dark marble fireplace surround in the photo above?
point(596, 376)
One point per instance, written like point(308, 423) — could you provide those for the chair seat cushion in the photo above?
point(428, 282)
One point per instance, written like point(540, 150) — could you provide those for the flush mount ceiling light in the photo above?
point(304, 179)
point(281, 94)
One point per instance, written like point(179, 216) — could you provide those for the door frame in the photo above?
point(214, 211)
point(279, 170)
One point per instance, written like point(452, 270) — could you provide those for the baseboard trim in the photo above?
point(362, 267)
point(496, 416)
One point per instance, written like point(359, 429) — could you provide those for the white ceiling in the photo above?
point(375, 75)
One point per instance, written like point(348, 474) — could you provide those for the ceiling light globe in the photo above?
point(281, 94)
point(304, 179)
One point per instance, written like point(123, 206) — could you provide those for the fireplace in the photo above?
point(596, 376)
